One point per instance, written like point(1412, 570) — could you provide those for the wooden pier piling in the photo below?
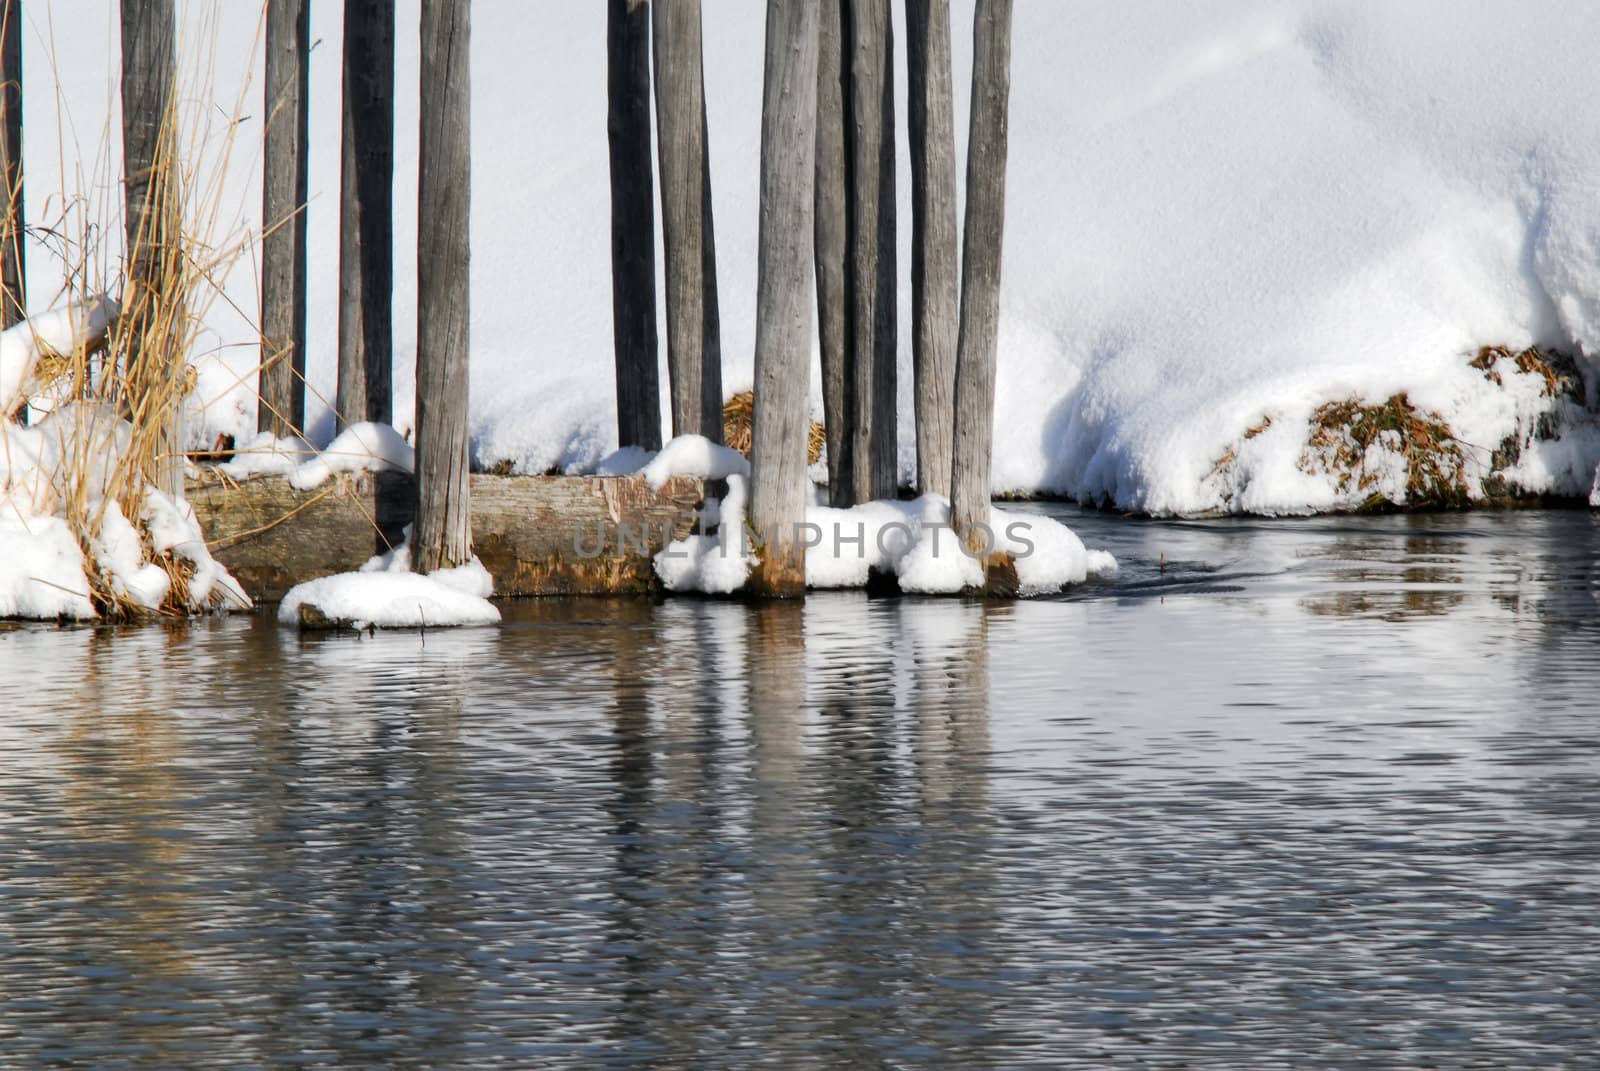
point(282, 396)
point(13, 284)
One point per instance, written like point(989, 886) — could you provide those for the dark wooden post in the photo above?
point(13, 283)
point(869, 268)
point(282, 407)
point(633, 224)
point(783, 288)
point(831, 229)
point(980, 271)
point(442, 536)
point(694, 346)
point(366, 216)
point(153, 296)
point(933, 237)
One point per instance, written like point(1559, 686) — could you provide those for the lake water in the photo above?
point(1318, 793)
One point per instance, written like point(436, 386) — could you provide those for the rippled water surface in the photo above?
point(1320, 793)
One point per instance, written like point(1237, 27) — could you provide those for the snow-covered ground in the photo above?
point(1217, 213)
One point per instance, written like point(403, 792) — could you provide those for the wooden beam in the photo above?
point(13, 279)
point(633, 224)
point(442, 537)
point(694, 347)
point(831, 228)
point(783, 289)
point(152, 214)
point(281, 388)
point(934, 289)
point(537, 535)
point(980, 271)
point(366, 216)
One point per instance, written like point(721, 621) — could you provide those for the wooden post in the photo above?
point(933, 238)
point(694, 346)
point(282, 406)
point(13, 283)
point(831, 229)
point(869, 268)
point(783, 314)
point(442, 537)
point(980, 272)
point(633, 224)
point(153, 297)
point(366, 216)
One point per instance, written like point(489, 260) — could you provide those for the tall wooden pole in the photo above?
point(366, 216)
point(980, 271)
point(783, 289)
point(934, 301)
point(13, 283)
point(831, 234)
point(869, 265)
point(694, 347)
point(282, 406)
point(442, 536)
point(153, 296)
point(633, 224)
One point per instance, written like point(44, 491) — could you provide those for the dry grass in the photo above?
point(1558, 371)
point(1343, 432)
point(738, 416)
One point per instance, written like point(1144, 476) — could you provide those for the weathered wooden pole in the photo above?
point(980, 274)
point(934, 300)
point(830, 235)
point(154, 261)
point(442, 532)
point(282, 405)
point(366, 216)
point(783, 289)
point(13, 282)
point(694, 343)
point(633, 224)
point(870, 261)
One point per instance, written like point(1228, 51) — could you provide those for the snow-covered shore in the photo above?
point(1222, 216)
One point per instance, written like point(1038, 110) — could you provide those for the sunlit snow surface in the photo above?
point(1216, 213)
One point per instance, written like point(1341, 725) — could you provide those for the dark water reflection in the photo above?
point(1312, 793)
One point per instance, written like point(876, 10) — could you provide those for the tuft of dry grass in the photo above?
point(738, 417)
point(1558, 371)
point(1343, 432)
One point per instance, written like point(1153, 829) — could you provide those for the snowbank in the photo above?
point(911, 541)
point(364, 447)
point(1217, 213)
point(693, 455)
point(385, 593)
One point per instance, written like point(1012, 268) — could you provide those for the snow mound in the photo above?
point(60, 330)
point(364, 447)
point(266, 454)
point(41, 570)
point(912, 541)
point(385, 593)
point(694, 455)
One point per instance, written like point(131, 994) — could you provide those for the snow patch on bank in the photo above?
point(364, 447)
point(385, 593)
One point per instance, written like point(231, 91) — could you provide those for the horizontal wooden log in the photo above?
point(537, 535)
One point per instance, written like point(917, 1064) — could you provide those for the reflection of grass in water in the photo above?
point(1393, 606)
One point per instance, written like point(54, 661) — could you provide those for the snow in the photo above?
point(364, 447)
point(266, 454)
point(1217, 213)
point(59, 330)
point(385, 593)
point(912, 541)
point(694, 455)
point(41, 570)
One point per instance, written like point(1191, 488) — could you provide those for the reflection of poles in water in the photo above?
point(954, 921)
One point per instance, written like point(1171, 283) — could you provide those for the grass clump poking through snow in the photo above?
point(1373, 450)
point(738, 420)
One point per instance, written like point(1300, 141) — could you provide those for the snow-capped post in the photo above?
point(831, 228)
point(934, 299)
point(366, 216)
point(442, 531)
point(694, 339)
point(980, 278)
point(282, 406)
point(13, 290)
point(783, 292)
point(870, 267)
point(153, 292)
point(633, 224)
